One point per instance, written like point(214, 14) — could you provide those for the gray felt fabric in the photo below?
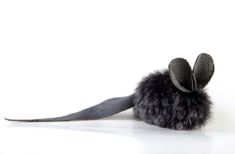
point(102, 110)
point(203, 70)
point(188, 80)
point(181, 74)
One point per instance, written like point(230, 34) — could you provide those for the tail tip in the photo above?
point(9, 119)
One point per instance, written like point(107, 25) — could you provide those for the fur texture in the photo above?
point(157, 101)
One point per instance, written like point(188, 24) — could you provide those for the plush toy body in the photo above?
point(172, 99)
point(159, 102)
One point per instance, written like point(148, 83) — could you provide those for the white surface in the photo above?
point(58, 57)
point(119, 134)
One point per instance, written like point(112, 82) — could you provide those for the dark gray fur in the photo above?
point(159, 102)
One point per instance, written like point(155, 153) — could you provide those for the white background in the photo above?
point(57, 57)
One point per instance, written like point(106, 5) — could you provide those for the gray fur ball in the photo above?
point(157, 101)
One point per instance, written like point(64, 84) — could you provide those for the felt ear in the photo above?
point(181, 74)
point(203, 70)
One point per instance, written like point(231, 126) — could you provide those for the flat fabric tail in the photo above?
point(104, 109)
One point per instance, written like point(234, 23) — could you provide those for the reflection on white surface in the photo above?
point(118, 134)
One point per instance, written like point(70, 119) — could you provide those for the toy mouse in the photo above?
point(172, 99)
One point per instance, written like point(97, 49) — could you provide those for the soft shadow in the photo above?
point(121, 116)
point(125, 124)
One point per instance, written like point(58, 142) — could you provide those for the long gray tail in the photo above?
point(102, 110)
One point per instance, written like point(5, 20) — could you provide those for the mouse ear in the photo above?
point(203, 70)
point(181, 74)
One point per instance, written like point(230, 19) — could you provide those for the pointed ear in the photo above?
point(203, 70)
point(181, 74)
